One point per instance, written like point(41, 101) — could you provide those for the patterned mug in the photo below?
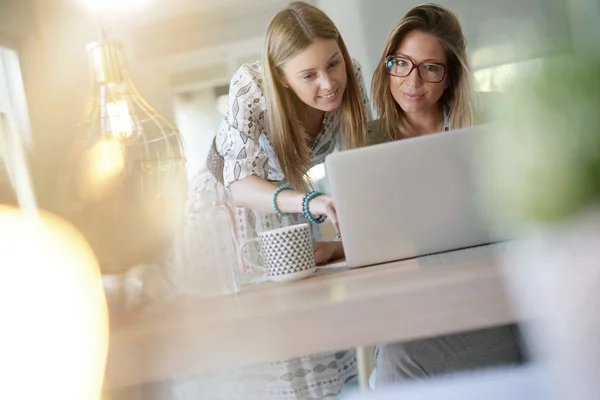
point(287, 253)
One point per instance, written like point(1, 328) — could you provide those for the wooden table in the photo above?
point(332, 310)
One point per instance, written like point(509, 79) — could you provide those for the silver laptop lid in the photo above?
point(409, 198)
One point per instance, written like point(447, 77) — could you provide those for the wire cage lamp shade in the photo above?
point(117, 110)
point(127, 167)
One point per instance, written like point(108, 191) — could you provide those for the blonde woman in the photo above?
point(286, 114)
point(422, 86)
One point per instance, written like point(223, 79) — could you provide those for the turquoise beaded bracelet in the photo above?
point(274, 200)
point(306, 211)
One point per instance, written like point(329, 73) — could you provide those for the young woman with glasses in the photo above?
point(423, 86)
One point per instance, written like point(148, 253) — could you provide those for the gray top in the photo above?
point(484, 114)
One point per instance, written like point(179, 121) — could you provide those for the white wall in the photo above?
point(585, 19)
point(498, 32)
point(348, 18)
point(16, 19)
point(198, 120)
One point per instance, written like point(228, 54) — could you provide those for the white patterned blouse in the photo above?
point(244, 149)
point(242, 139)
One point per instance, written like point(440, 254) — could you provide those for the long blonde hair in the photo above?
point(291, 31)
point(456, 99)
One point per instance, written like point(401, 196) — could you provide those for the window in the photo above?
point(13, 104)
point(12, 94)
point(499, 78)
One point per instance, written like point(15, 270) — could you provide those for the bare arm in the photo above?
point(245, 162)
point(256, 193)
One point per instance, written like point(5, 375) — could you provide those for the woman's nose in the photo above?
point(413, 78)
point(326, 82)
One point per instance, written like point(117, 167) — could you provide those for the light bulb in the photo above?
point(120, 122)
point(102, 164)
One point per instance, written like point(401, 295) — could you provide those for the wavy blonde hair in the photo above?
point(291, 31)
point(457, 98)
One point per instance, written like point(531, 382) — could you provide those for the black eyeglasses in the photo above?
point(402, 67)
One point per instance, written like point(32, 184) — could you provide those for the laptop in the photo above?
point(411, 198)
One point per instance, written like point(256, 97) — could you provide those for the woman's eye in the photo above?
point(431, 67)
point(334, 63)
point(307, 77)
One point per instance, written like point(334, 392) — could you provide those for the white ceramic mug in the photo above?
point(287, 253)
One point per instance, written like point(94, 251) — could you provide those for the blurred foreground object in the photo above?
point(545, 163)
point(126, 182)
point(554, 276)
point(545, 170)
point(516, 383)
point(55, 336)
point(55, 323)
point(212, 264)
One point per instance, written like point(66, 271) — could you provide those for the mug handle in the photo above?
point(248, 261)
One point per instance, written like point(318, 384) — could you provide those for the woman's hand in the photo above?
point(327, 251)
point(256, 193)
point(323, 205)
